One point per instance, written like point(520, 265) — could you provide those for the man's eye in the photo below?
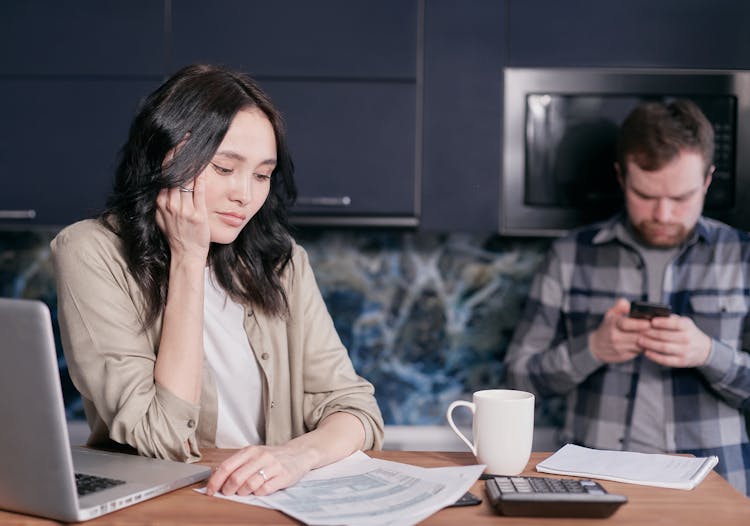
point(221, 169)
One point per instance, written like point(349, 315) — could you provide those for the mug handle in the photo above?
point(449, 416)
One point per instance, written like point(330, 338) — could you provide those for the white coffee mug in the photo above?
point(503, 428)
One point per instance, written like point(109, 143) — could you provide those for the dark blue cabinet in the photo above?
point(353, 148)
point(393, 107)
point(71, 76)
point(463, 57)
point(332, 39)
point(82, 37)
point(633, 33)
point(343, 73)
point(58, 153)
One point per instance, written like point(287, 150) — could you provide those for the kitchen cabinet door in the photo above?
point(82, 37)
point(464, 54)
point(298, 38)
point(343, 73)
point(636, 33)
point(57, 160)
point(353, 149)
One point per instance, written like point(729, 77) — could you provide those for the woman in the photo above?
point(189, 316)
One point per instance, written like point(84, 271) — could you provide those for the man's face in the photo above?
point(664, 205)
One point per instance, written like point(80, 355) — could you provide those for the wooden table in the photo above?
point(714, 502)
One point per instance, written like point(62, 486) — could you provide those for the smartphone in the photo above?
point(646, 310)
point(468, 499)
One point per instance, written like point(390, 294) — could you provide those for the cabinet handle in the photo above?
point(17, 214)
point(344, 200)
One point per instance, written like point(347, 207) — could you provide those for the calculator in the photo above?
point(551, 497)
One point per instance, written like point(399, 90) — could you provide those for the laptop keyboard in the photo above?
point(91, 483)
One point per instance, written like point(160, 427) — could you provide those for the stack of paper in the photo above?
point(366, 491)
point(666, 471)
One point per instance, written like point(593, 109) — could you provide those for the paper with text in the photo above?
point(366, 491)
point(649, 469)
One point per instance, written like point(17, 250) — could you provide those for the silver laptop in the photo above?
point(38, 468)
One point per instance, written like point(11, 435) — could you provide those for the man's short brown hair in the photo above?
point(655, 133)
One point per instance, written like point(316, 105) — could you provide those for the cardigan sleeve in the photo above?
point(330, 381)
point(109, 355)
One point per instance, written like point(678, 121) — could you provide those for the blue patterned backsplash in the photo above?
point(426, 317)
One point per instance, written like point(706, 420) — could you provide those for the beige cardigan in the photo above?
point(306, 370)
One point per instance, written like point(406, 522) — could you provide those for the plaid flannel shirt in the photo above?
point(582, 276)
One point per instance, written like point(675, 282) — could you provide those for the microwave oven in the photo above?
point(559, 137)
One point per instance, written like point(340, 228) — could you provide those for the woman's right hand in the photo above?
point(182, 217)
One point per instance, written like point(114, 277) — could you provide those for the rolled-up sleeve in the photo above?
point(543, 357)
point(330, 382)
point(109, 355)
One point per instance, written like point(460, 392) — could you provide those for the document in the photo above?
point(648, 469)
point(366, 491)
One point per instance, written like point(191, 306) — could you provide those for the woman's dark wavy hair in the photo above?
point(190, 114)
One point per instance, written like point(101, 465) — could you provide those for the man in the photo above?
point(670, 384)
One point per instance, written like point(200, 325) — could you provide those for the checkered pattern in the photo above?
point(582, 276)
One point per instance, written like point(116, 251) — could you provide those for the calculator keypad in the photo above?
point(544, 485)
point(551, 497)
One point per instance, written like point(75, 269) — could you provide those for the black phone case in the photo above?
point(467, 499)
point(646, 310)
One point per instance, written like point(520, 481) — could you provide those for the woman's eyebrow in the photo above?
point(231, 154)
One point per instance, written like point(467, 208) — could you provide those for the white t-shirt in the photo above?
point(230, 357)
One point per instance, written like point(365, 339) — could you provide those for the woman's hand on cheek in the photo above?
point(182, 216)
point(260, 470)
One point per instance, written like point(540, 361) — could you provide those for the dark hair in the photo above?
point(655, 133)
point(193, 109)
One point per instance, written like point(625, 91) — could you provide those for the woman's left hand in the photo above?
point(259, 470)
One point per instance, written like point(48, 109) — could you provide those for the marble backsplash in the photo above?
point(426, 317)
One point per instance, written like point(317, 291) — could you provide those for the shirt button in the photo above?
point(273, 404)
point(264, 356)
point(191, 423)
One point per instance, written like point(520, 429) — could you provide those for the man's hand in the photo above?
point(616, 338)
point(675, 342)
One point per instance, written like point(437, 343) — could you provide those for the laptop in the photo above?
point(38, 467)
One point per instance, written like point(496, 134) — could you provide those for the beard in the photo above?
point(661, 235)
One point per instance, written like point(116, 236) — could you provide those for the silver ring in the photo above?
point(183, 189)
point(262, 474)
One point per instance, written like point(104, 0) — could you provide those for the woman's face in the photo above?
point(238, 177)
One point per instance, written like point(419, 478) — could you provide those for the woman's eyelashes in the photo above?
point(227, 170)
point(262, 177)
point(221, 170)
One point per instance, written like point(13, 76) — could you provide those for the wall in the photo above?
point(426, 317)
